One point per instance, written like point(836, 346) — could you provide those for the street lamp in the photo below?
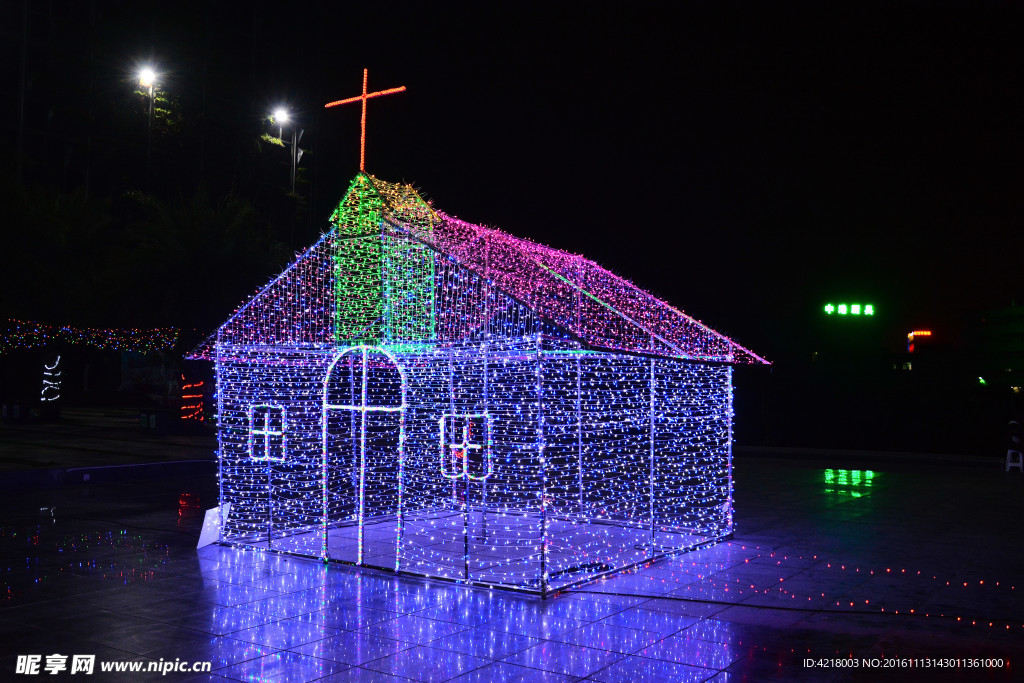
point(147, 79)
point(281, 116)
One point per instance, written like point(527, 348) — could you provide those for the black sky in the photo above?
point(745, 162)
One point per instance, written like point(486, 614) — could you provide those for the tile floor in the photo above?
point(907, 563)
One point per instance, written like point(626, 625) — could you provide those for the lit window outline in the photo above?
point(266, 432)
point(446, 450)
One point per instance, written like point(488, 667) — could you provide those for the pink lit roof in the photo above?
point(601, 309)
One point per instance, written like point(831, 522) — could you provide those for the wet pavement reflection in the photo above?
point(826, 564)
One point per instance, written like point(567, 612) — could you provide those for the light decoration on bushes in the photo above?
point(21, 334)
point(444, 399)
point(51, 382)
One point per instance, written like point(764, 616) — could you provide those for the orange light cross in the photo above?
point(363, 97)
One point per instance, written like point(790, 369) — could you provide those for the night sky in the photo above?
point(745, 163)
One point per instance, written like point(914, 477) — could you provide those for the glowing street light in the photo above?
point(147, 78)
point(280, 117)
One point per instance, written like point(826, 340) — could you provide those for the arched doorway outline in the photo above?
point(364, 350)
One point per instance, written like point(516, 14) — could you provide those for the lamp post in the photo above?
point(147, 79)
point(281, 117)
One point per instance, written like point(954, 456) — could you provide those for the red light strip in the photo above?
point(362, 121)
point(191, 410)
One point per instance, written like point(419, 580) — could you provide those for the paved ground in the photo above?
point(913, 562)
point(95, 437)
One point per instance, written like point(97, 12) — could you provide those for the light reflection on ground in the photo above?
point(914, 566)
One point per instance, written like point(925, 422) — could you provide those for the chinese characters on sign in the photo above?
point(849, 309)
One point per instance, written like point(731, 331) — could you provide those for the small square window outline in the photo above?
point(445, 447)
point(255, 431)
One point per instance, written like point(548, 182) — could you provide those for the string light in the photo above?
point(191, 400)
point(21, 334)
point(444, 399)
point(362, 121)
point(914, 334)
point(51, 381)
point(920, 587)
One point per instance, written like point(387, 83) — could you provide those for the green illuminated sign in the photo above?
point(849, 309)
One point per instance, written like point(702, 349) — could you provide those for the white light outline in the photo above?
point(363, 409)
point(485, 446)
point(266, 432)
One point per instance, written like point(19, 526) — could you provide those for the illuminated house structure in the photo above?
point(420, 394)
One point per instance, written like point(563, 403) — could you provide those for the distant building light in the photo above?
point(850, 309)
point(913, 335)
